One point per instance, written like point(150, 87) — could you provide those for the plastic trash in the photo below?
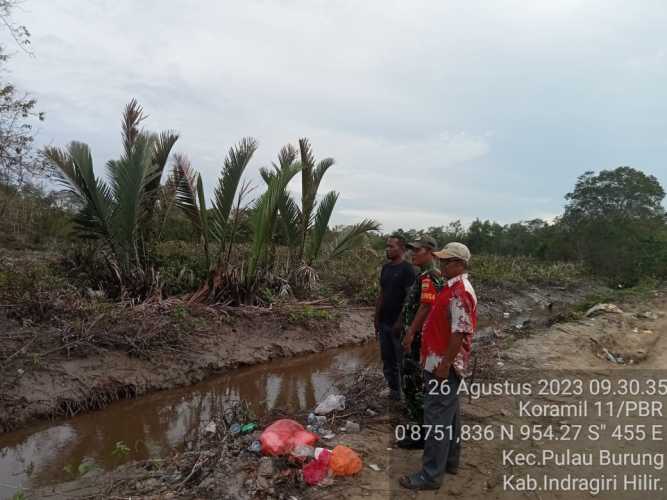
point(303, 451)
point(255, 446)
point(316, 470)
point(284, 435)
point(344, 461)
point(603, 308)
point(312, 419)
point(313, 428)
point(211, 428)
point(351, 426)
point(318, 450)
point(327, 434)
point(235, 429)
point(331, 403)
point(245, 429)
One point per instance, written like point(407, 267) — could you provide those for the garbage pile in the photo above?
point(319, 465)
point(238, 456)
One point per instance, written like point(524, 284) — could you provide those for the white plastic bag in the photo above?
point(303, 451)
point(331, 403)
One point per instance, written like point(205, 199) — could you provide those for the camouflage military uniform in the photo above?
point(423, 291)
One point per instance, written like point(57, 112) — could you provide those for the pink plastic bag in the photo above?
point(315, 471)
point(282, 436)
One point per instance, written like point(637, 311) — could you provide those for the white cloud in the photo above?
point(432, 109)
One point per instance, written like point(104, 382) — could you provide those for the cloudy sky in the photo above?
point(434, 111)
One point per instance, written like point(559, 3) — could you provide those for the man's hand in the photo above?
point(442, 370)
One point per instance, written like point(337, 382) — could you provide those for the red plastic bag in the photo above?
point(344, 461)
point(282, 436)
point(316, 470)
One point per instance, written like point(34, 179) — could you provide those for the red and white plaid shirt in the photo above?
point(454, 310)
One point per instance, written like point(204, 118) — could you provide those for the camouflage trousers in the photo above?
point(412, 381)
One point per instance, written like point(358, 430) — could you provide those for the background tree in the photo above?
point(18, 160)
point(623, 192)
point(616, 222)
point(20, 165)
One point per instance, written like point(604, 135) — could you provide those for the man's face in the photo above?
point(451, 268)
point(421, 256)
point(393, 249)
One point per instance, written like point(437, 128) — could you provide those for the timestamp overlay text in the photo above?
point(558, 434)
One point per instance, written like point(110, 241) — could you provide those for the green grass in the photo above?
point(307, 313)
point(498, 270)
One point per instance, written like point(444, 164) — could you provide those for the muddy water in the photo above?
point(157, 424)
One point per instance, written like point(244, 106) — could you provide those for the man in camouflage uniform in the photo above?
point(418, 304)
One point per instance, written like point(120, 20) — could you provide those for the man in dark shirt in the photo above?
point(395, 279)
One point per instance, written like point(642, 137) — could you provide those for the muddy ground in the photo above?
point(221, 467)
point(56, 372)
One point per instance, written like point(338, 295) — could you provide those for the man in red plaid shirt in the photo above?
point(445, 351)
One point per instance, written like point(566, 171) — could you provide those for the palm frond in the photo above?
point(127, 181)
point(235, 164)
point(290, 215)
point(320, 225)
point(161, 146)
point(287, 156)
point(264, 215)
point(164, 143)
point(311, 177)
point(133, 115)
point(190, 198)
point(185, 180)
point(245, 189)
point(74, 170)
point(266, 174)
point(306, 151)
point(204, 219)
point(351, 237)
point(320, 170)
point(307, 163)
point(166, 202)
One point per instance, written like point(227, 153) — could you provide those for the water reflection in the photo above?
point(158, 424)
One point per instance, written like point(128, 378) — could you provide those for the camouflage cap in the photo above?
point(423, 242)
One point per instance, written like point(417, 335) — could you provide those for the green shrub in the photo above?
point(354, 276)
point(182, 267)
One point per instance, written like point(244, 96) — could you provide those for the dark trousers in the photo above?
point(412, 382)
point(441, 413)
point(390, 350)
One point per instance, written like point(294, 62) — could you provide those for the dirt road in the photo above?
point(564, 351)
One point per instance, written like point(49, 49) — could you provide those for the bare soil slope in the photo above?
point(161, 346)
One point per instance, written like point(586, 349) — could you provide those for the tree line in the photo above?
point(614, 223)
